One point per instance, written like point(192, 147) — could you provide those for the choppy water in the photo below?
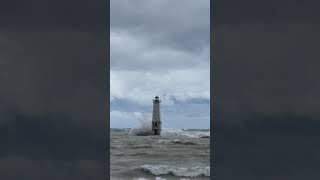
point(176, 154)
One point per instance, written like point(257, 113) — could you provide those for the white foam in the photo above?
point(163, 141)
point(176, 141)
point(196, 134)
point(157, 178)
point(181, 172)
point(160, 178)
point(185, 133)
point(140, 178)
point(168, 131)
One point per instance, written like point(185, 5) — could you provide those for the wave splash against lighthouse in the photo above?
point(149, 125)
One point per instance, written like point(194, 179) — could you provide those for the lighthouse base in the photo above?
point(156, 127)
point(156, 132)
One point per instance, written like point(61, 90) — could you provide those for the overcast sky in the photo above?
point(160, 48)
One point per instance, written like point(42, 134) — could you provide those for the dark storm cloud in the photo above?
point(53, 95)
point(165, 23)
point(267, 90)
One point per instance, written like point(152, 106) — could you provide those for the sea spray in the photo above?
point(144, 126)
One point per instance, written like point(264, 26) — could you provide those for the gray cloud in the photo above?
point(165, 23)
point(155, 35)
point(141, 54)
point(159, 48)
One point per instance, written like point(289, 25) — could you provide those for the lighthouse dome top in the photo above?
point(156, 99)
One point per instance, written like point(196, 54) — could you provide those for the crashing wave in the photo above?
point(180, 172)
point(144, 127)
point(140, 132)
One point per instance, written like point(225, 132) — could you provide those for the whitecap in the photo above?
point(140, 178)
point(160, 178)
point(177, 171)
point(185, 133)
point(176, 141)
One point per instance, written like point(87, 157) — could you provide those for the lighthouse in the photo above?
point(156, 121)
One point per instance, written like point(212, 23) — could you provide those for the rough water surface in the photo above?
point(177, 154)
